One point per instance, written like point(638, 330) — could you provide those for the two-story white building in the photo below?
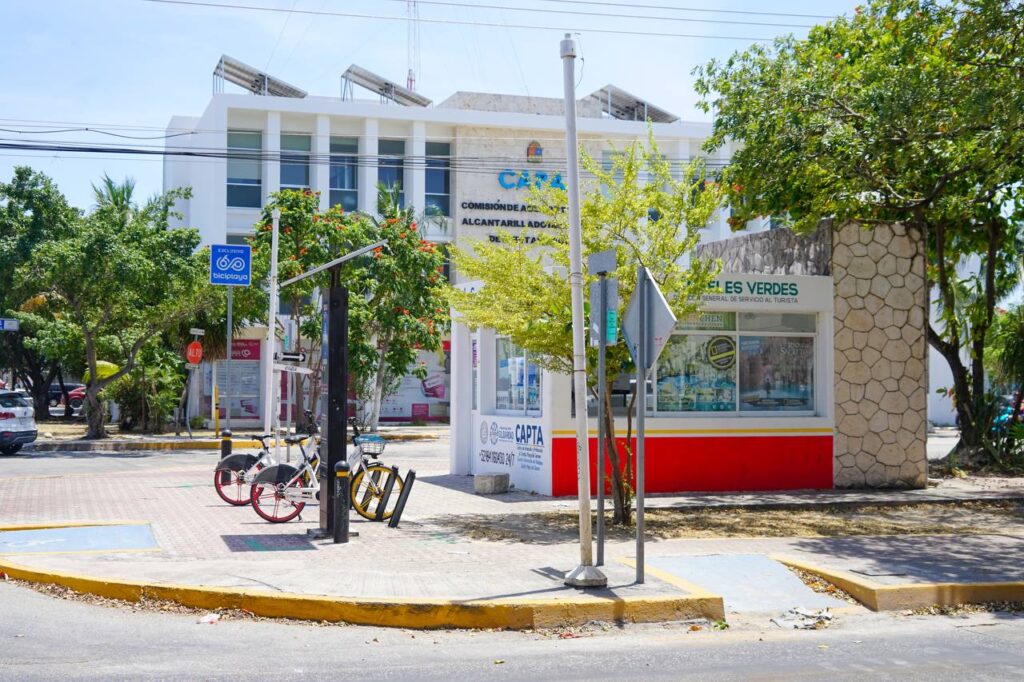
point(468, 159)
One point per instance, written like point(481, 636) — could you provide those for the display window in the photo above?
point(517, 380)
point(729, 363)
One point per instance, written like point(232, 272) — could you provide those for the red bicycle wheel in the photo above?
point(231, 486)
point(270, 503)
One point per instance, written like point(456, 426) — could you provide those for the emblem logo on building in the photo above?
point(534, 152)
point(494, 433)
point(483, 433)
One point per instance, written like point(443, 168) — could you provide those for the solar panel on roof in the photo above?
point(254, 80)
point(385, 88)
point(620, 104)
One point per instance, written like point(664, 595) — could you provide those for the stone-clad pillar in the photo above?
point(881, 355)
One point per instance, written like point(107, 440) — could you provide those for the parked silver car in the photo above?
point(17, 422)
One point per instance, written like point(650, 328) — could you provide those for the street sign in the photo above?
point(9, 324)
point(612, 313)
point(660, 322)
point(602, 262)
point(231, 265)
point(291, 356)
point(293, 369)
point(196, 332)
point(189, 365)
point(194, 352)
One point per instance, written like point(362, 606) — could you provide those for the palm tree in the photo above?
point(116, 197)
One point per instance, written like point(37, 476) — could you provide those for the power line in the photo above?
point(447, 3)
point(632, 5)
point(462, 22)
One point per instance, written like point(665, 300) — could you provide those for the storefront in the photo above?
point(740, 399)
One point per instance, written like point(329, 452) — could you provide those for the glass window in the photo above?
point(295, 161)
point(344, 173)
point(13, 400)
point(391, 166)
point(438, 179)
point(245, 169)
point(517, 379)
point(777, 322)
point(776, 373)
point(697, 373)
point(712, 321)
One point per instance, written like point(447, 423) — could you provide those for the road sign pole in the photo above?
point(602, 348)
point(584, 575)
point(337, 391)
point(641, 414)
point(227, 364)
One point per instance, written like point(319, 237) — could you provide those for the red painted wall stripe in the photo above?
point(711, 464)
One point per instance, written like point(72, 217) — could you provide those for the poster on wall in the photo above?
point(424, 399)
point(776, 373)
point(242, 383)
point(696, 373)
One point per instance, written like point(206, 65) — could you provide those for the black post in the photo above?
point(337, 392)
point(403, 497)
point(385, 496)
point(225, 443)
point(342, 501)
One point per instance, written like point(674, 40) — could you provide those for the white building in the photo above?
point(469, 158)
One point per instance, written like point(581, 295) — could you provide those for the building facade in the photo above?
point(467, 163)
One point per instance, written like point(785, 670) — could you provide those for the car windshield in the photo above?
point(12, 400)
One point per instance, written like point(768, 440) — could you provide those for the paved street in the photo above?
point(43, 638)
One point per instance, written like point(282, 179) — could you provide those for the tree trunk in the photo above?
point(95, 414)
point(373, 417)
point(621, 498)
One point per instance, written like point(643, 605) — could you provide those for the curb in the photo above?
point(204, 444)
point(879, 597)
point(506, 614)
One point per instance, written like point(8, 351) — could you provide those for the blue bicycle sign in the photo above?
point(231, 265)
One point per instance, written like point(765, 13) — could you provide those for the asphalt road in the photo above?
point(44, 638)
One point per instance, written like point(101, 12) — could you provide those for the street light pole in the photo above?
point(586, 574)
point(268, 361)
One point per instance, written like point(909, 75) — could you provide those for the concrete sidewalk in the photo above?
point(427, 573)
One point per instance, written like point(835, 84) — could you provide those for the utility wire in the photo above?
point(462, 22)
point(632, 5)
point(447, 3)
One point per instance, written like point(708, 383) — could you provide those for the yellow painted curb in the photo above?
point(879, 597)
point(694, 590)
point(511, 614)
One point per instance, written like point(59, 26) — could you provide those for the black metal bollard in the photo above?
point(385, 496)
point(225, 443)
point(403, 497)
point(342, 501)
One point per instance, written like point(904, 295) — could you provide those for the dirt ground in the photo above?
point(922, 519)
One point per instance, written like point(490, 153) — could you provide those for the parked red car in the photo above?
point(76, 396)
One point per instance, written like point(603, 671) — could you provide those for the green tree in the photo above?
point(655, 224)
point(1004, 357)
point(396, 307)
point(402, 308)
point(118, 198)
point(120, 284)
point(909, 111)
point(32, 212)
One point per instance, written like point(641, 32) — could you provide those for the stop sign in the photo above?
point(194, 352)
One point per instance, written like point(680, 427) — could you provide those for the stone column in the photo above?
point(881, 354)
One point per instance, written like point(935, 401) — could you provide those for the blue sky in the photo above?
point(135, 63)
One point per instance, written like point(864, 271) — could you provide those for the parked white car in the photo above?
point(17, 422)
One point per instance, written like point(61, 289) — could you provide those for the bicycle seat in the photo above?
point(263, 436)
point(292, 440)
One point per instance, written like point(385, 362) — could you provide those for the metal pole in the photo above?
point(641, 414)
point(268, 362)
point(602, 348)
point(337, 390)
point(585, 575)
point(227, 365)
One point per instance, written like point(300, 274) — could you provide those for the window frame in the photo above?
point(438, 163)
point(341, 159)
point(245, 153)
point(293, 157)
point(524, 356)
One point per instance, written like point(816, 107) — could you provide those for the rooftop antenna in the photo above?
point(412, 43)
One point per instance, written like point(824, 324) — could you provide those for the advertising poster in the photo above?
point(426, 399)
point(776, 373)
point(696, 373)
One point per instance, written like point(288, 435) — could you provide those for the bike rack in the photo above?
point(386, 495)
point(403, 497)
